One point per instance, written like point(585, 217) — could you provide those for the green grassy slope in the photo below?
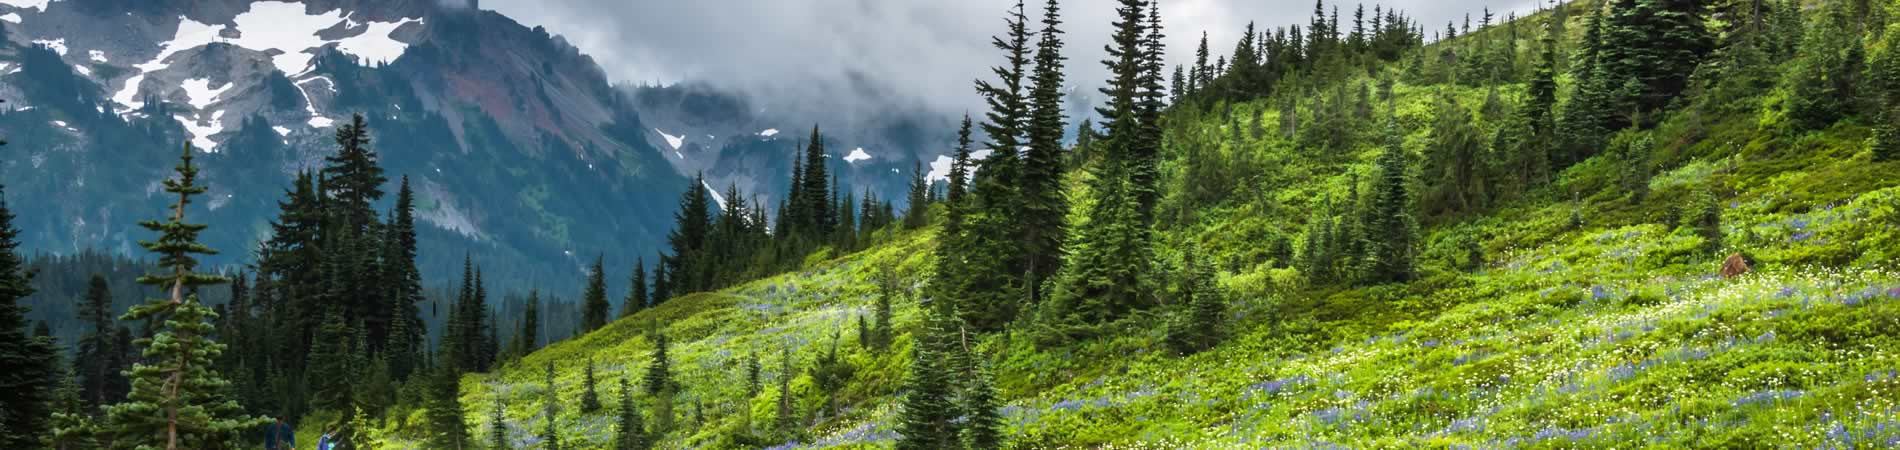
point(1590, 321)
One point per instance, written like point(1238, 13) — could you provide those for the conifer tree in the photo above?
point(1392, 226)
point(629, 432)
point(71, 426)
point(1703, 214)
point(1822, 86)
point(813, 215)
point(454, 347)
point(330, 360)
point(528, 339)
point(177, 400)
point(485, 342)
point(982, 426)
point(498, 427)
point(659, 376)
point(692, 225)
point(1586, 115)
point(881, 333)
point(594, 301)
point(636, 289)
point(928, 418)
point(992, 286)
point(406, 333)
point(446, 424)
point(26, 363)
point(1455, 162)
point(1108, 261)
point(662, 289)
point(1041, 217)
point(1884, 72)
point(752, 369)
point(590, 400)
point(786, 420)
point(1658, 43)
point(1630, 152)
point(550, 439)
point(354, 178)
point(1206, 308)
point(829, 373)
point(917, 214)
point(94, 360)
point(1151, 98)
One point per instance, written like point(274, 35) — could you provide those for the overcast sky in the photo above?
point(899, 52)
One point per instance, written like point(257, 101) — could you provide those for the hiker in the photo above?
point(279, 436)
point(327, 442)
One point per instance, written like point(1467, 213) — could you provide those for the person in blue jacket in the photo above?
point(280, 436)
point(328, 441)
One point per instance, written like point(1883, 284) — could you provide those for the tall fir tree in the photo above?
point(993, 287)
point(1657, 43)
point(662, 288)
point(94, 362)
point(447, 426)
point(629, 432)
point(528, 339)
point(1109, 259)
point(1884, 72)
point(406, 332)
point(1392, 225)
point(928, 418)
point(590, 398)
point(498, 427)
point(550, 437)
point(1044, 207)
point(26, 363)
point(636, 289)
point(812, 216)
point(917, 214)
point(594, 306)
point(659, 375)
point(177, 399)
point(786, 419)
point(688, 266)
point(329, 356)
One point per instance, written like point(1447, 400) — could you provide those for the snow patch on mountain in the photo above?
point(27, 4)
point(316, 120)
point(272, 25)
point(190, 34)
point(281, 131)
point(375, 45)
point(58, 45)
point(12, 17)
point(769, 132)
point(675, 141)
point(201, 130)
point(96, 55)
point(200, 94)
point(857, 154)
point(720, 199)
point(83, 70)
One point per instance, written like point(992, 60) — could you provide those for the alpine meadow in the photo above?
point(423, 224)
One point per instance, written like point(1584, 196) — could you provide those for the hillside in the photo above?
point(1584, 312)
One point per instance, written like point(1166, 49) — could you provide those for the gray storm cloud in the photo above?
point(857, 56)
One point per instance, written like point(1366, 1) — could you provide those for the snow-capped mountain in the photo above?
point(519, 146)
point(516, 142)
